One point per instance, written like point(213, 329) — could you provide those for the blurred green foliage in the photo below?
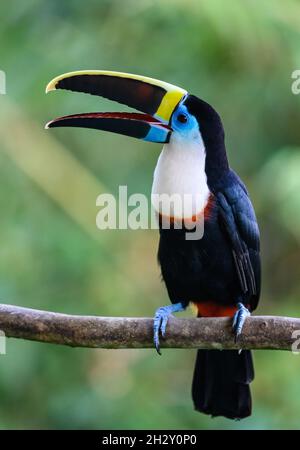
point(239, 56)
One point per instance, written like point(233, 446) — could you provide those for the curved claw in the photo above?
point(161, 318)
point(156, 328)
point(239, 320)
point(163, 326)
point(160, 324)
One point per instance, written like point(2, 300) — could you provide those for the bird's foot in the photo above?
point(239, 320)
point(161, 319)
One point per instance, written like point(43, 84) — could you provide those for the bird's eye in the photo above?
point(182, 118)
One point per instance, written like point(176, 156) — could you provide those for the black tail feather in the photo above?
point(221, 383)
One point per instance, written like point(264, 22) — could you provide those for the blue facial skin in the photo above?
point(184, 123)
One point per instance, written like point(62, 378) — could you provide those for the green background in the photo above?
point(238, 56)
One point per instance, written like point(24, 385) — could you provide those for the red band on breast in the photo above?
point(211, 309)
point(206, 212)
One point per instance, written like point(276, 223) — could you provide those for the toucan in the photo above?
point(219, 272)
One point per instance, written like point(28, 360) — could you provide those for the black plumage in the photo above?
point(222, 268)
point(221, 383)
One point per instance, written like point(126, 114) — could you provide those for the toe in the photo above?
point(234, 321)
point(164, 325)
point(239, 320)
point(156, 340)
point(156, 328)
point(156, 343)
point(161, 318)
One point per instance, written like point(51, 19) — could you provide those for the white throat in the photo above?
point(180, 173)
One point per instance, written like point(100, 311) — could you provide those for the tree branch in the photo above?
point(260, 332)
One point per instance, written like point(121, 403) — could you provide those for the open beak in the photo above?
point(156, 99)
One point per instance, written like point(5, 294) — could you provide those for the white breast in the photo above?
point(180, 175)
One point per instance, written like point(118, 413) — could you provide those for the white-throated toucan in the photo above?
point(219, 272)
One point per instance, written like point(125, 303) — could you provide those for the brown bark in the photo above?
point(260, 332)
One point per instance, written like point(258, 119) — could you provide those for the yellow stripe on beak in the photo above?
point(168, 105)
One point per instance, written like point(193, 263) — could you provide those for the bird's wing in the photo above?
point(239, 220)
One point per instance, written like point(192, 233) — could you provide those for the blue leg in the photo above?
point(239, 320)
point(161, 319)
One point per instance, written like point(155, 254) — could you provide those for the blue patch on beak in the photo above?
point(158, 134)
